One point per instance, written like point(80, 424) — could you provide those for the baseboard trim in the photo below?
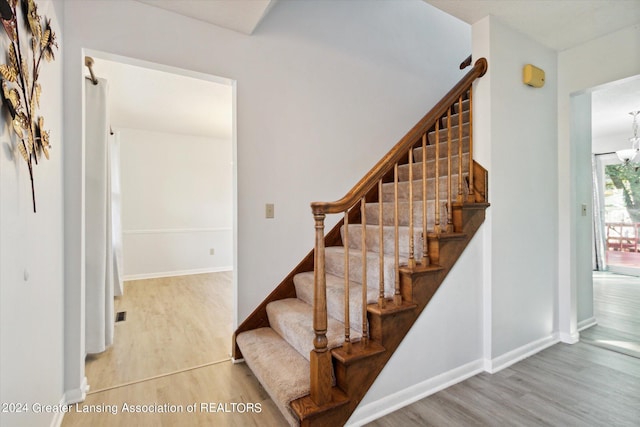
point(514, 356)
point(177, 273)
point(59, 416)
point(78, 394)
point(371, 411)
point(570, 338)
point(587, 323)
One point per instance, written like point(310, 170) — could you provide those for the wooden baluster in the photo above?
point(412, 261)
point(471, 198)
point(449, 205)
point(320, 358)
point(365, 324)
point(425, 251)
point(397, 298)
point(347, 323)
point(381, 299)
point(436, 227)
point(460, 197)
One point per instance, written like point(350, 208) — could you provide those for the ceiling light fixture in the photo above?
point(629, 154)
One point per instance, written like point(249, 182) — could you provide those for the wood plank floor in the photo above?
point(564, 385)
point(616, 307)
point(224, 383)
point(172, 323)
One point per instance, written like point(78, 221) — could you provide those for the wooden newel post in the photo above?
point(320, 355)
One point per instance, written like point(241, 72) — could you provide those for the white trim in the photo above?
point(177, 230)
point(177, 273)
point(499, 363)
point(76, 395)
point(237, 361)
point(371, 411)
point(569, 338)
point(587, 323)
point(58, 416)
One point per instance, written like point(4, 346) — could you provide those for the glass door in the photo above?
point(621, 202)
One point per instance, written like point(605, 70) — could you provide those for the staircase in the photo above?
point(383, 262)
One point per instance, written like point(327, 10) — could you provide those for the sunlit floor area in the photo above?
point(172, 324)
point(616, 307)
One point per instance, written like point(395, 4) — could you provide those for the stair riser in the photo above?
point(403, 170)
point(431, 149)
point(373, 239)
point(292, 319)
point(334, 260)
point(454, 118)
point(388, 189)
point(465, 106)
point(335, 297)
point(388, 212)
point(443, 133)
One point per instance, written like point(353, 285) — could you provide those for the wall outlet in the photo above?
point(269, 211)
point(212, 251)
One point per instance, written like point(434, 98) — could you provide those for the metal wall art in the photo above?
point(20, 88)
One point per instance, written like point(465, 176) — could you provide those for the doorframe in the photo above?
point(75, 382)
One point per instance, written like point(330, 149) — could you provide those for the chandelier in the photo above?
point(627, 155)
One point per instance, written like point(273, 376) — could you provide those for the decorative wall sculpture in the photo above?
point(20, 88)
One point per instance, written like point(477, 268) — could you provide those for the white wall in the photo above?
point(324, 89)
point(514, 128)
point(609, 58)
point(31, 263)
point(176, 203)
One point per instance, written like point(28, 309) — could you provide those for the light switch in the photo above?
point(584, 209)
point(269, 210)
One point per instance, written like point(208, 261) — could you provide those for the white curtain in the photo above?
point(116, 220)
point(99, 269)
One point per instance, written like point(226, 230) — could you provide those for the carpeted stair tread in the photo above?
point(403, 170)
point(388, 212)
point(334, 262)
point(281, 370)
point(292, 319)
point(335, 296)
point(443, 132)
point(373, 238)
point(454, 118)
point(388, 189)
point(431, 149)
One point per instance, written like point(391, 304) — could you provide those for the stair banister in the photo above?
point(400, 149)
point(321, 362)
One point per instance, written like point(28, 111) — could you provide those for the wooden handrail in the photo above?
point(400, 149)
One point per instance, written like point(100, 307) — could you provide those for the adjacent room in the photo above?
point(169, 185)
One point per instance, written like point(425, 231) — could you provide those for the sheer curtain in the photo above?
point(599, 255)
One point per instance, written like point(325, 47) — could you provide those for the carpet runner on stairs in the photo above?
point(279, 355)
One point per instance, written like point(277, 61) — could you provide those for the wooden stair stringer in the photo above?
point(389, 326)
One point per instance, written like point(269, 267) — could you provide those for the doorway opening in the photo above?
point(616, 221)
point(176, 135)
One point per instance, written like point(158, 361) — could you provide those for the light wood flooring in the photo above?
point(616, 307)
point(172, 323)
point(564, 385)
